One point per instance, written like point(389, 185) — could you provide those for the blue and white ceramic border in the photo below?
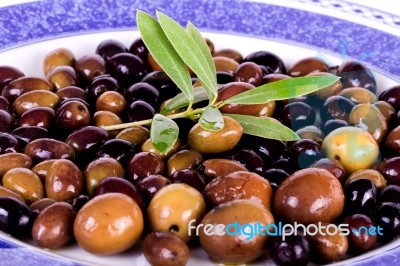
point(37, 21)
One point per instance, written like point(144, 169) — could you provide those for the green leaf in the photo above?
point(264, 127)
point(283, 89)
point(180, 101)
point(164, 53)
point(212, 119)
point(163, 133)
point(190, 52)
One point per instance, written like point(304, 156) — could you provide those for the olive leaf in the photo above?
point(164, 53)
point(211, 119)
point(180, 101)
point(190, 53)
point(283, 89)
point(163, 133)
point(264, 127)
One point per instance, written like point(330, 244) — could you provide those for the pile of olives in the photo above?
point(65, 180)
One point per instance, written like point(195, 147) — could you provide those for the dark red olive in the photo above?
point(119, 149)
point(70, 92)
point(333, 167)
point(360, 196)
point(8, 143)
point(109, 48)
point(306, 152)
point(165, 86)
point(297, 115)
point(139, 49)
point(4, 104)
point(275, 176)
point(392, 96)
point(285, 164)
point(6, 121)
point(46, 148)
point(78, 202)
point(72, 114)
point(139, 110)
point(39, 116)
point(126, 68)
point(26, 134)
point(189, 177)
point(387, 215)
point(14, 217)
point(356, 74)
point(249, 159)
point(391, 194)
point(333, 124)
point(150, 185)
point(99, 85)
point(144, 164)
point(249, 72)
point(360, 238)
point(90, 66)
point(336, 107)
point(295, 250)
point(271, 62)
point(8, 74)
point(144, 92)
point(390, 169)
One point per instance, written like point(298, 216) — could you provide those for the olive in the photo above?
point(26, 134)
point(106, 118)
point(42, 168)
point(356, 74)
point(100, 85)
point(41, 204)
point(39, 116)
point(165, 86)
point(392, 144)
point(184, 159)
point(359, 95)
point(4, 104)
point(24, 182)
point(72, 115)
point(64, 181)
point(249, 159)
point(294, 250)
point(285, 164)
point(230, 53)
point(5, 192)
point(215, 141)
point(225, 64)
point(336, 107)
point(70, 92)
point(387, 110)
point(99, 169)
point(268, 78)
point(270, 150)
point(117, 184)
point(332, 124)
point(53, 227)
point(360, 238)
point(318, 97)
point(354, 148)
point(8, 74)
point(149, 146)
point(189, 177)
point(361, 196)
point(391, 96)
point(78, 202)
point(173, 207)
point(8, 143)
point(390, 169)
point(249, 72)
point(391, 194)
point(119, 149)
point(150, 185)
point(144, 92)
point(238, 185)
point(221, 167)
point(165, 249)
point(153, 63)
point(275, 177)
point(308, 65)
point(323, 202)
point(243, 246)
point(271, 62)
point(371, 174)
point(9, 161)
point(387, 215)
point(46, 148)
point(90, 66)
point(224, 77)
point(333, 167)
point(310, 132)
point(135, 135)
point(63, 76)
point(297, 115)
point(92, 228)
point(139, 49)
point(17, 87)
point(144, 164)
point(109, 48)
point(306, 152)
point(32, 99)
point(126, 68)
point(58, 57)
point(210, 45)
point(111, 101)
point(14, 217)
point(6, 121)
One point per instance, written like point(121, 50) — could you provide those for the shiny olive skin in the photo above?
point(189, 177)
point(390, 193)
point(100, 85)
point(41, 169)
point(223, 140)
point(249, 159)
point(63, 76)
point(39, 116)
point(173, 207)
point(135, 135)
point(371, 174)
point(356, 74)
point(271, 62)
point(4, 104)
point(64, 181)
point(295, 250)
point(70, 92)
point(150, 185)
point(9, 161)
point(106, 118)
point(109, 48)
point(392, 144)
point(165, 249)
point(361, 196)
point(139, 110)
point(305, 152)
point(46, 148)
point(92, 228)
point(72, 115)
point(8, 74)
point(238, 185)
point(90, 66)
point(126, 68)
point(184, 159)
point(230, 53)
point(78, 202)
point(111, 101)
point(387, 110)
point(308, 65)
point(363, 241)
point(333, 167)
point(390, 169)
point(15, 217)
point(7, 121)
point(58, 57)
point(323, 190)
point(165, 86)
point(235, 249)
point(8, 143)
point(41, 204)
point(32, 99)
point(24, 182)
point(117, 184)
point(221, 167)
point(119, 149)
point(52, 228)
point(387, 215)
point(392, 96)
point(275, 176)
point(17, 87)
point(5, 192)
point(225, 64)
point(249, 72)
point(144, 92)
point(332, 124)
point(311, 132)
point(144, 164)
point(336, 107)
point(99, 169)
point(26, 134)
point(359, 95)
point(139, 49)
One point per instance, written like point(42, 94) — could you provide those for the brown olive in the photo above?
point(44, 149)
point(9, 161)
point(386, 109)
point(239, 248)
point(225, 64)
point(371, 174)
point(165, 249)
point(153, 63)
point(70, 92)
point(107, 118)
point(71, 115)
point(63, 76)
point(311, 132)
point(111, 101)
point(308, 65)
point(108, 224)
point(90, 66)
point(249, 72)
point(99, 169)
point(135, 135)
point(184, 159)
point(229, 53)
point(274, 77)
point(148, 146)
point(5, 192)
point(38, 116)
point(323, 202)
point(144, 164)
point(25, 182)
point(8, 74)
point(359, 238)
point(42, 168)
point(58, 57)
point(41, 204)
point(221, 167)
point(369, 118)
point(64, 181)
point(330, 247)
point(327, 92)
point(223, 140)
point(32, 99)
point(359, 95)
point(17, 87)
point(333, 167)
point(53, 227)
point(4, 104)
point(210, 45)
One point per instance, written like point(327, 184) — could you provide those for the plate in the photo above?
point(294, 29)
